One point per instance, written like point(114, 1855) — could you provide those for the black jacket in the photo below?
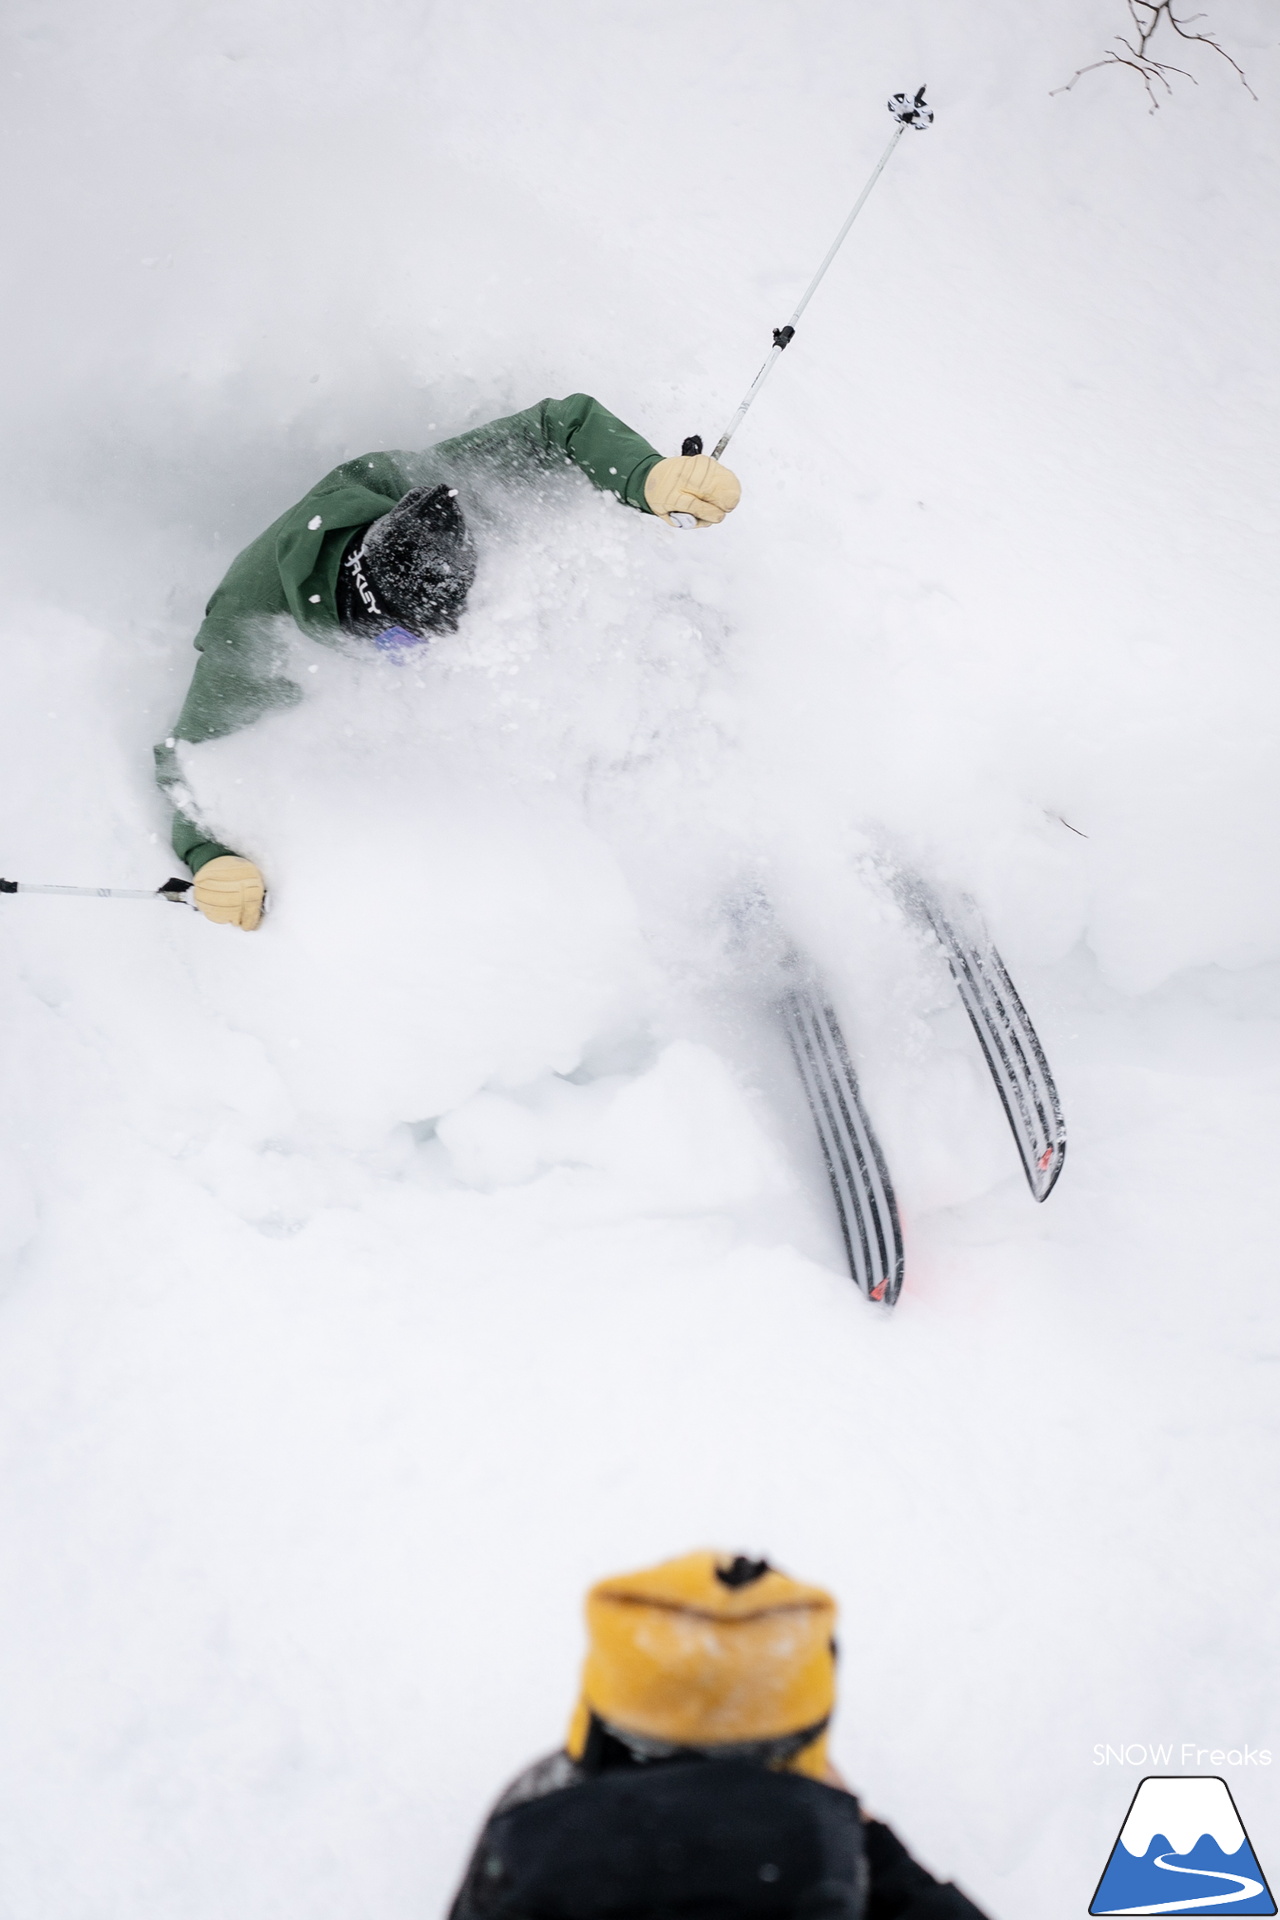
point(690, 1839)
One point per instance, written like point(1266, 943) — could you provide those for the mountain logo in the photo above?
point(1182, 1850)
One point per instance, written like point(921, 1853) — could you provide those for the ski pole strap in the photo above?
point(909, 110)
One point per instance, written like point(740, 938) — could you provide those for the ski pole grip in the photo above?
point(689, 446)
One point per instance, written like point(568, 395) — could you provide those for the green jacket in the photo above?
point(292, 568)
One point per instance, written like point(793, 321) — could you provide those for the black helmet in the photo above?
point(410, 570)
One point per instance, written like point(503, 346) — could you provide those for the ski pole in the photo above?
point(909, 111)
point(172, 890)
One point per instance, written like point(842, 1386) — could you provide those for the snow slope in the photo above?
point(374, 1283)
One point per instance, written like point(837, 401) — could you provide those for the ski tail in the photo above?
point(860, 1183)
point(864, 1197)
point(1009, 1042)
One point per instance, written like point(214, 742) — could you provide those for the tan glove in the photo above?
point(230, 891)
point(692, 483)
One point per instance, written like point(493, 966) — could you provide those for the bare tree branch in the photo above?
point(1147, 17)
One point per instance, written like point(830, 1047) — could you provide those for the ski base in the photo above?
point(1009, 1042)
point(864, 1197)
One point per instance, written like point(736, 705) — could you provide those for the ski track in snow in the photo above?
point(372, 1284)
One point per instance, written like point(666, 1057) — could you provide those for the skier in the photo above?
point(695, 1779)
point(382, 550)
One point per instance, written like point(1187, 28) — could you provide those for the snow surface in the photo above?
point(375, 1282)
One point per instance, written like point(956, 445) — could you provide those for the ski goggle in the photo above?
point(775, 1752)
point(397, 640)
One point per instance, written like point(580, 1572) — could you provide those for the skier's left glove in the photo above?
point(230, 890)
point(692, 483)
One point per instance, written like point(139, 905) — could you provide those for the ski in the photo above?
point(865, 1204)
point(860, 1183)
point(1009, 1042)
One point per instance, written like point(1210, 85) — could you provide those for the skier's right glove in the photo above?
point(692, 483)
point(230, 891)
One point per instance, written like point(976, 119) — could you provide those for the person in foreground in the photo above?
point(382, 551)
point(694, 1783)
